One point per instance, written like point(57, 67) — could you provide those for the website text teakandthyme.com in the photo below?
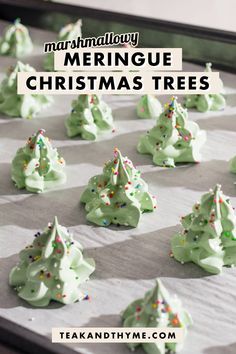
point(115, 335)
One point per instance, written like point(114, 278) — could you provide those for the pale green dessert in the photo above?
point(52, 268)
point(69, 32)
point(173, 139)
point(206, 102)
point(15, 105)
point(209, 235)
point(16, 41)
point(232, 165)
point(157, 310)
point(118, 196)
point(148, 107)
point(38, 166)
point(89, 117)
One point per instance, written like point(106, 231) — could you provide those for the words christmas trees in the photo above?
point(157, 310)
point(14, 105)
point(51, 268)
point(16, 41)
point(118, 196)
point(209, 235)
point(89, 117)
point(149, 107)
point(38, 166)
point(174, 139)
point(67, 33)
point(206, 102)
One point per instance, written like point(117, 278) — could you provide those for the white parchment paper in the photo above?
point(127, 260)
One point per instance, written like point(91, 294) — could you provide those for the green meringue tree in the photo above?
point(51, 269)
point(232, 165)
point(89, 117)
point(118, 196)
point(209, 235)
point(157, 310)
point(206, 102)
point(69, 32)
point(173, 139)
point(24, 106)
point(149, 107)
point(38, 166)
point(16, 41)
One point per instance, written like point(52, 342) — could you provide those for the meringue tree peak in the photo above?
point(90, 116)
point(208, 67)
point(119, 195)
point(174, 139)
point(38, 166)
point(52, 268)
point(209, 233)
point(157, 309)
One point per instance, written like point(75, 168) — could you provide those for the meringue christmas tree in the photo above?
point(89, 117)
point(157, 310)
point(16, 41)
point(232, 165)
point(69, 32)
point(38, 166)
point(14, 105)
point(118, 196)
point(209, 235)
point(173, 139)
point(51, 268)
point(148, 107)
point(206, 102)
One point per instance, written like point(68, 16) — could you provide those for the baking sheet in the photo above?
point(127, 260)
